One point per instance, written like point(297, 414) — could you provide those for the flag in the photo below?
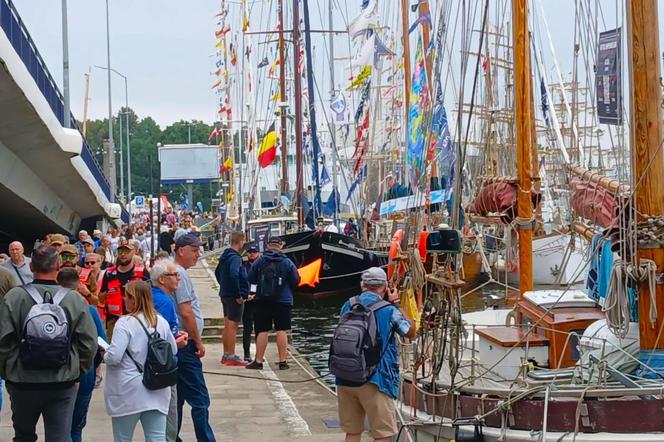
point(362, 76)
point(324, 177)
point(215, 133)
point(273, 66)
point(216, 85)
point(245, 16)
point(268, 150)
point(276, 96)
point(222, 31)
point(227, 166)
point(368, 19)
point(310, 273)
point(233, 55)
point(357, 182)
point(545, 102)
point(418, 106)
point(264, 62)
point(426, 18)
point(330, 207)
point(217, 72)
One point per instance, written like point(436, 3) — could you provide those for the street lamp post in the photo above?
point(128, 142)
point(65, 66)
point(111, 146)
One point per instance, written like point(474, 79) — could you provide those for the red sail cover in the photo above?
point(594, 203)
point(500, 198)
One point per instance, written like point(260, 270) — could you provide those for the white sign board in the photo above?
point(188, 163)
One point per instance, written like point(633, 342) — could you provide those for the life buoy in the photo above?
point(395, 249)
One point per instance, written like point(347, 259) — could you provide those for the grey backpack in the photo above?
point(356, 350)
point(45, 337)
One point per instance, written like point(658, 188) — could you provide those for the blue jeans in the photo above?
point(192, 389)
point(79, 418)
point(153, 423)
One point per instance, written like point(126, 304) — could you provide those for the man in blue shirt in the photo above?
point(273, 310)
point(233, 291)
point(375, 398)
point(165, 281)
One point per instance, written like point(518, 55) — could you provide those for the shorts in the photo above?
point(269, 313)
point(356, 402)
point(232, 310)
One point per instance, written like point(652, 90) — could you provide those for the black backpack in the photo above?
point(270, 280)
point(160, 369)
point(356, 350)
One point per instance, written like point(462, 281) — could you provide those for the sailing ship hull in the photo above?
point(343, 260)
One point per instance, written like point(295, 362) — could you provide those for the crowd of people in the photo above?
point(111, 304)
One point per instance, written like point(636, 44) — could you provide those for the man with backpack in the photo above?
point(276, 278)
point(47, 342)
point(364, 358)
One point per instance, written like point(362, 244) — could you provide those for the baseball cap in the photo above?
point(56, 238)
point(252, 248)
point(374, 276)
point(70, 249)
point(275, 240)
point(187, 240)
point(88, 241)
point(129, 246)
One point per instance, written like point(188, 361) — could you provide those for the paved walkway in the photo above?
point(242, 409)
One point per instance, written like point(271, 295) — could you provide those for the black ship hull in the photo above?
point(343, 260)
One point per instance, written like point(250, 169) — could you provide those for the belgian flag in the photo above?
point(268, 151)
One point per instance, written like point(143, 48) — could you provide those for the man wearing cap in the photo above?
point(191, 383)
point(69, 258)
point(273, 309)
point(56, 240)
point(375, 399)
point(19, 264)
point(233, 291)
point(249, 305)
point(96, 237)
point(113, 284)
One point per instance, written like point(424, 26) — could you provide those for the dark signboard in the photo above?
point(262, 234)
point(608, 81)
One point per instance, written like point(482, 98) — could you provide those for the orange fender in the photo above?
point(395, 247)
point(422, 244)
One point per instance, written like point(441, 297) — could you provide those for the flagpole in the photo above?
point(282, 100)
point(333, 133)
point(298, 112)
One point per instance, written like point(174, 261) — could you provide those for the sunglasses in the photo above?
point(90, 263)
point(67, 257)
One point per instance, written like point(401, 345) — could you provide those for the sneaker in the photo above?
point(255, 366)
point(233, 361)
point(247, 357)
point(283, 365)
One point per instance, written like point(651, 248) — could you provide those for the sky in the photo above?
point(164, 47)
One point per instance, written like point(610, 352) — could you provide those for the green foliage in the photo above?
point(144, 134)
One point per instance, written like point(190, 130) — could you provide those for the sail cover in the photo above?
point(594, 203)
point(501, 198)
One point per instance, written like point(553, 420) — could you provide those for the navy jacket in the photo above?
point(287, 271)
point(231, 275)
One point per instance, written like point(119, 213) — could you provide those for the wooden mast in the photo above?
point(524, 131)
point(282, 99)
point(297, 96)
point(645, 140)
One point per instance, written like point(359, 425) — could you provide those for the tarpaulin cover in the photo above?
point(500, 197)
point(594, 203)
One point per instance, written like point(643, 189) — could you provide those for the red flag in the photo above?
point(215, 133)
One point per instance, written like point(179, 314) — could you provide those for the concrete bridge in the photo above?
point(49, 178)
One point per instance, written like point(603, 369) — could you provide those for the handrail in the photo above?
point(19, 37)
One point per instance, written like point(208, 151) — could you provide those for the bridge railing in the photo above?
point(18, 35)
